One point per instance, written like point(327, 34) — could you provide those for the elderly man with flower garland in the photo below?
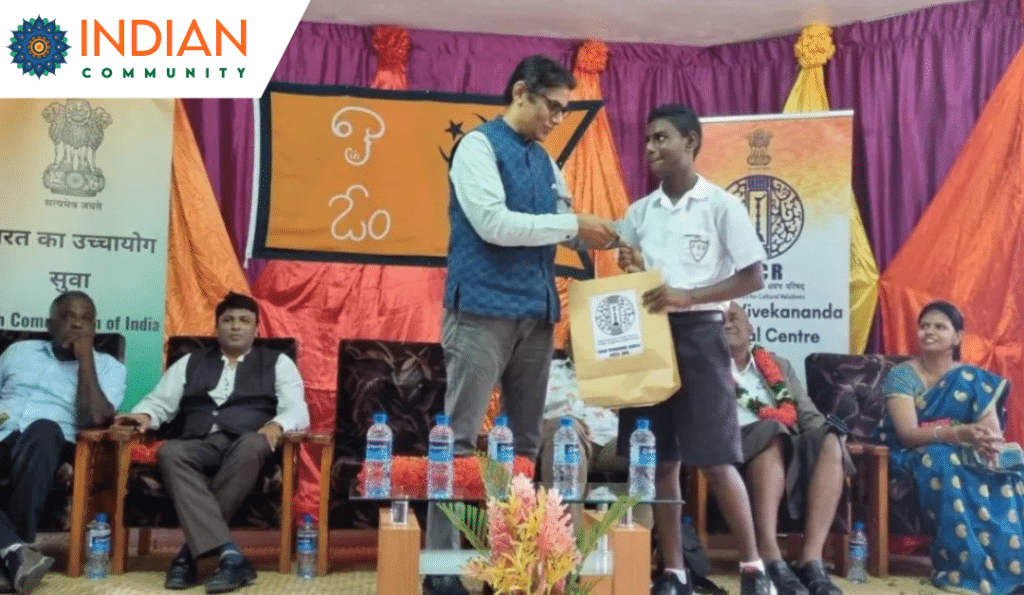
point(788, 447)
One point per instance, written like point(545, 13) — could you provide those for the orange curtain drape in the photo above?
point(967, 248)
point(592, 172)
point(201, 264)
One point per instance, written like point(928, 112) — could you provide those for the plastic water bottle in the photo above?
point(642, 459)
point(97, 565)
point(440, 467)
point(305, 546)
point(500, 447)
point(378, 458)
point(567, 460)
point(858, 555)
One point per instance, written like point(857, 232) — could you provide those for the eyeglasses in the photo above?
point(555, 109)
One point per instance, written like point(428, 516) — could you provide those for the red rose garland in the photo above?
point(784, 410)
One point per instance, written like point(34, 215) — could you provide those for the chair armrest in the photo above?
point(127, 433)
point(93, 435)
point(309, 437)
point(860, 448)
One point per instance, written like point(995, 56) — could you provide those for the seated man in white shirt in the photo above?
point(233, 403)
point(597, 427)
point(797, 453)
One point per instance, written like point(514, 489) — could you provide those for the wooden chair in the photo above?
point(141, 501)
point(404, 379)
point(87, 479)
point(845, 386)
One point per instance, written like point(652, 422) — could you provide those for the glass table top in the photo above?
point(595, 494)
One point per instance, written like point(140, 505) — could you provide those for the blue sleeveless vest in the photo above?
point(505, 282)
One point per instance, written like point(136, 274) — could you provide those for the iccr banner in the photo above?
point(792, 172)
point(84, 189)
point(361, 175)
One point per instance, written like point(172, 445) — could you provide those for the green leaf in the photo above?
point(471, 521)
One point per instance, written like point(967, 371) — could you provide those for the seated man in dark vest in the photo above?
point(232, 404)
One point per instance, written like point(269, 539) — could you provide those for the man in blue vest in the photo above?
point(233, 404)
point(509, 208)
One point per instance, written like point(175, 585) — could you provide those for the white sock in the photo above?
point(758, 564)
point(681, 574)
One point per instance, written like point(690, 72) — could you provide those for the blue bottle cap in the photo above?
point(642, 423)
point(858, 525)
point(441, 419)
point(501, 420)
point(566, 421)
point(688, 520)
point(380, 418)
point(308, 519)
point(101, 517)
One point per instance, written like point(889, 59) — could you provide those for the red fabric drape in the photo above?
point(320, 304)
point(967, 248)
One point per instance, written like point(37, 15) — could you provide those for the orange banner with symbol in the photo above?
point(361, 175)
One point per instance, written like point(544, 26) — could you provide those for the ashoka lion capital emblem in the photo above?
point(76, 129)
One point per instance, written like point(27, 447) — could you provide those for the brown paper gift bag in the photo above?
point(623, 354)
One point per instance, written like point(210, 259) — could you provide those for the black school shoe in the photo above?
point(444, 585)
point(669, 584)
point(814, 576)
point(24, 568)
point(183, 573)
point(785, 581)
point(233, 572)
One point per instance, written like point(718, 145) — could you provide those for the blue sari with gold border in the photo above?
point(976, 513)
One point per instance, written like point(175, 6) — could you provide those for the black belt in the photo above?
point(694, 317)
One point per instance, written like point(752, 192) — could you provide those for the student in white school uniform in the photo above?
point(702, 240)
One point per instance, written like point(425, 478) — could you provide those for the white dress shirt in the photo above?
point(750, 379)
point(702, 239)
point(478, 188)
point(564, 399)
point(292, 414)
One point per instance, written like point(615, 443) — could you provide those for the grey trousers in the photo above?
point(205, 504)
point(481, 352)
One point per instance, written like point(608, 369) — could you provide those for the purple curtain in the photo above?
point(916, 82)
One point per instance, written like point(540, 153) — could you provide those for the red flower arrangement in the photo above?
point(409, 475)
point(784, 410)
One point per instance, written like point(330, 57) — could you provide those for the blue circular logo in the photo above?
point(39, 47)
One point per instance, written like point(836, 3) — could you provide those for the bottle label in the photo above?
point(306, 544)
point(571, 454)
point(858, 551)
point(643, 456)
point(377, 452)
point(99, 544)
point(504, 453)
point(440, 452)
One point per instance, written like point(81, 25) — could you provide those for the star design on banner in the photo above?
point(454, 129)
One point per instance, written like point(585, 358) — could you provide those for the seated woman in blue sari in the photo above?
point(939, 413)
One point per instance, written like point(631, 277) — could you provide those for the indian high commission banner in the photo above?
point(792, 171)
point(361, 175)
point(84, 188)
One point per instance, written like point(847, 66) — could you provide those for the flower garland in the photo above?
point(784, 410)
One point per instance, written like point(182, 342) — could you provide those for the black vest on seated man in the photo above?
point(251, 405)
